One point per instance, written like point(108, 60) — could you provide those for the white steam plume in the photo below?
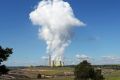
point(55, 18)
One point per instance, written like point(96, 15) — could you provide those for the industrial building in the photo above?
point(55, 63)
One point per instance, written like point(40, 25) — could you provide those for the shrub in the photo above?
point(3, 70)
point(39, 76)
point(85, 71)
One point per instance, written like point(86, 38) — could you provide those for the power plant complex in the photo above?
point(55, 63)
point(56, 20)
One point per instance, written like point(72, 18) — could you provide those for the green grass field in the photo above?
point(109, 74)
point(112, 74)
point(32, 73)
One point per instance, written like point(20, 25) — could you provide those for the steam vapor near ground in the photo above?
point(55, 19)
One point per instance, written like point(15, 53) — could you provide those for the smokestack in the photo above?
point(53, 65)
point(60, 63)
point(49, 60)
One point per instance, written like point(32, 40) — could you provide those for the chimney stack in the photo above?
point(49, 61)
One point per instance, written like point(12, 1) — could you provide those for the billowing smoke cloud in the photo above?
point(55, 19)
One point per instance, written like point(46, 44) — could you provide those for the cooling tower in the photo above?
point(55, 63)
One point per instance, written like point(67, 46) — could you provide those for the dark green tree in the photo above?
point(97, 75)
point(4, 54)
point(85, 71)
point(3, 69)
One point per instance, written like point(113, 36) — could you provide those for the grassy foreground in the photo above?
point(58, 73)
point(112, 74)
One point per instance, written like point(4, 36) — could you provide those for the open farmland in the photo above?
point(57, 73)
point(111, 74)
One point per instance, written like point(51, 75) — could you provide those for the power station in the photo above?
point(55, 63)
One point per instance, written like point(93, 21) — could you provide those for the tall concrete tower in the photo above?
point(55, 63)
point(49, 60)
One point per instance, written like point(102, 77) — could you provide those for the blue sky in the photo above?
point(99, 38)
